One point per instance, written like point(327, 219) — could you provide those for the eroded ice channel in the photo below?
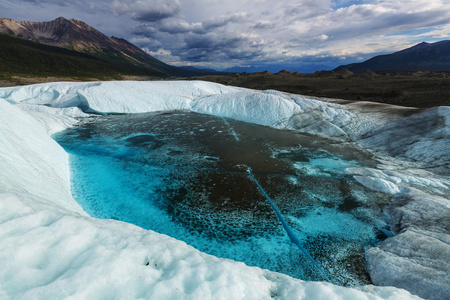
point(184, 174)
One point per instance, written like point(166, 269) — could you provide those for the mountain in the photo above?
point(78, 36)
point(423, 56)
point(23, 57)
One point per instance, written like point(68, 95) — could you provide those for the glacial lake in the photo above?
point(186, 175)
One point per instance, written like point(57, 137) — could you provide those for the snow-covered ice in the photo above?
point(52, 249)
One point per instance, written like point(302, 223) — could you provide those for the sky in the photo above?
point(257, 35)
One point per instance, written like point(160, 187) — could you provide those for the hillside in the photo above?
point(423, 56)
point(26, 58)
point(22, 57)
point(75, 35)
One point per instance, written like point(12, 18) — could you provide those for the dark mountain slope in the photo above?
point(78, 36)
point(22, 57)
point(423, 56)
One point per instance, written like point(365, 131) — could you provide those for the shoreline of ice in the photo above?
point(38, 211)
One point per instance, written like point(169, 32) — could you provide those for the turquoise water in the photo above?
point(185, 175)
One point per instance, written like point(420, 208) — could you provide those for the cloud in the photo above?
point(389, 19)
point(146, 30)
point(293, 30)
point(307, 9)
point(146, 10)
point(176, 26)
point(262, 25)
point(214, 46)
point(224, 20)
point(252, 32)
point(442, 32)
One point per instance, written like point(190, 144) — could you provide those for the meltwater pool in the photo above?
point(186, 175)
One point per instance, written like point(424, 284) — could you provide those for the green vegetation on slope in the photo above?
point(26, 58)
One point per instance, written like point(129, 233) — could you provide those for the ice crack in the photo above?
point(286, 227)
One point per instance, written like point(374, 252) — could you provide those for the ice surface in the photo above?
point(31, 162)
point(392, 182)
point(422, 223)
point(385, 130)
point(270, 108)
point(51, 248)
point(423, 137)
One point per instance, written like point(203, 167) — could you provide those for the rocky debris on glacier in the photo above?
point(41, 220)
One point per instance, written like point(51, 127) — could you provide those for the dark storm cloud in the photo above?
point(207, 54)
point(213, 41)
point(154, 15)
point(210, 46)
point(216, 47)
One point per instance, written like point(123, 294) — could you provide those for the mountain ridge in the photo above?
point(71, 34)
point(78, 36)
point(420, 57)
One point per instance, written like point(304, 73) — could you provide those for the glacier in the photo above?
point(52, 248)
